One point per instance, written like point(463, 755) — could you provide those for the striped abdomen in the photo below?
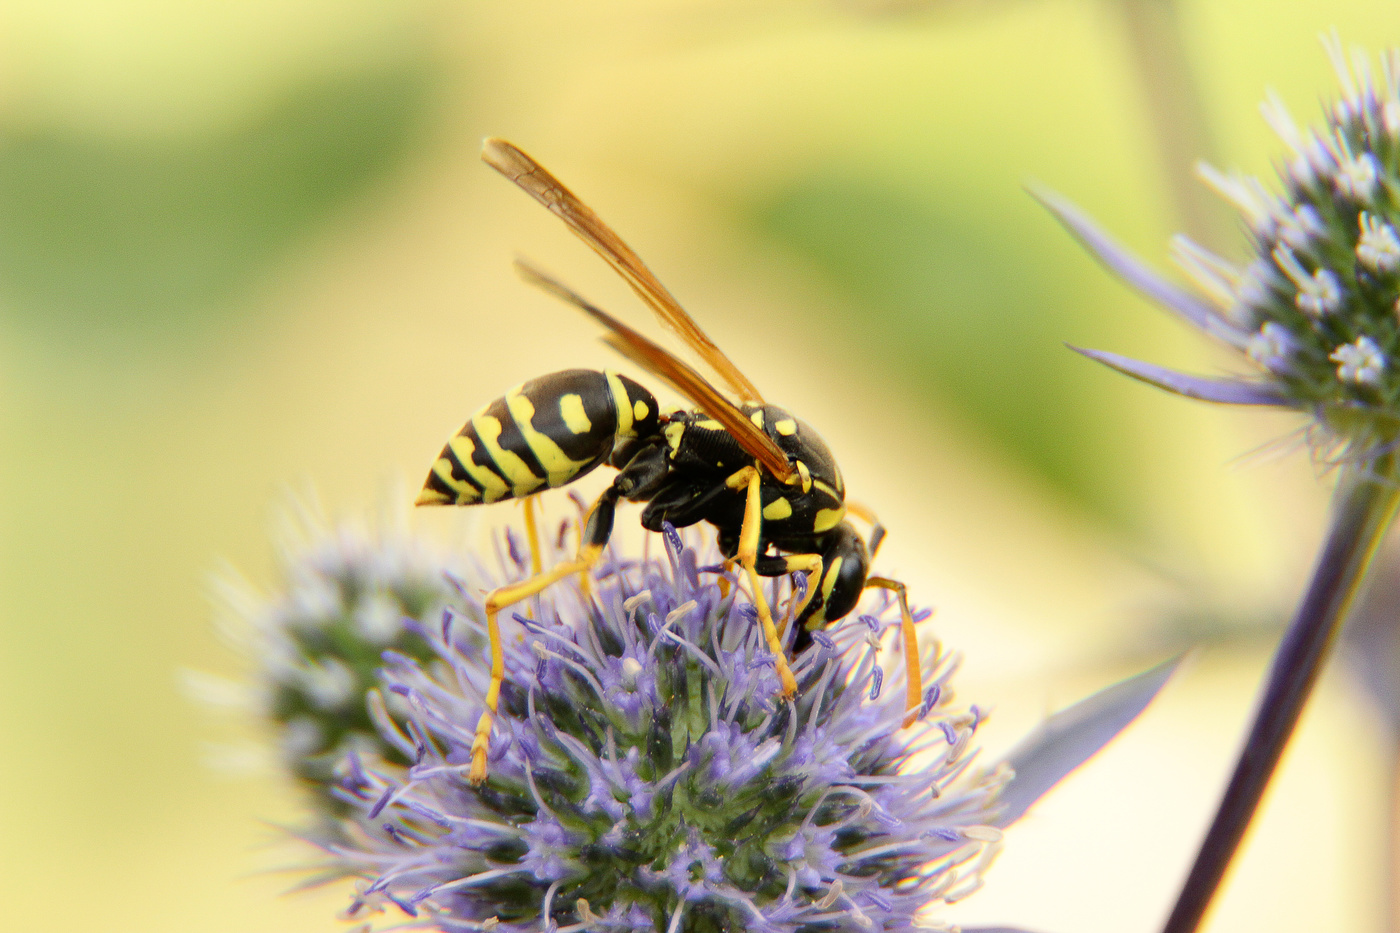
point(545, 433)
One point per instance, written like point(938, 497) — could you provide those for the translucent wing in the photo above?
point(505, 158)
point(685, 379)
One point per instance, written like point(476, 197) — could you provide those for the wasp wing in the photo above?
point(536, 181)
point(656, 360)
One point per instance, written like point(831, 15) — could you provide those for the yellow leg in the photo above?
point(497, 600)
point(811, 565)
point(723, 580)
point(913, 675)
point(585, 579)
point(532, 534)
point(748, 555)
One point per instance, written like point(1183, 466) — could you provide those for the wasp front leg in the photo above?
point(836, 570)
point(749, 534)
point(782, 564)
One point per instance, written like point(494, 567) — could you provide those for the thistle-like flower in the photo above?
point(1316, 307)
point(644, 775)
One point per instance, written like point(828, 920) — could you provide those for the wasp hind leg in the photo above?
point(638, 476)
point(913, 673)
point(595, 536)
point(497, 600)
point(532, 533)
point(748, 558)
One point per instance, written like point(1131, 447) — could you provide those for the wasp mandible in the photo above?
point(761, 476)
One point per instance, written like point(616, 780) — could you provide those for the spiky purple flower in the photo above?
point(644, 774)
point(1317, 309)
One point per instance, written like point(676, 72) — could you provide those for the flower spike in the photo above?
point(1317, 310)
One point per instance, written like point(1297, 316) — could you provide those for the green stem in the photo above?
point(1365, 504)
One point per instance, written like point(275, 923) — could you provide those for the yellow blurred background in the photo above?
point(250, 246)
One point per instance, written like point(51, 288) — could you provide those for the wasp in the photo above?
point(760, 475)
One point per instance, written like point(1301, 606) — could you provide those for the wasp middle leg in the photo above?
point(749, 535)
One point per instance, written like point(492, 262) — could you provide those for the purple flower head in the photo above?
point(645, 774)
point(1317, 307)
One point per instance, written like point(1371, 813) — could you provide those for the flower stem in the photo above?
point(1365, 504)
point(1157, 46)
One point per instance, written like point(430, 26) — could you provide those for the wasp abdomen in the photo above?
point(545, 433)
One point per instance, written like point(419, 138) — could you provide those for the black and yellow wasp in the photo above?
point(761, 476)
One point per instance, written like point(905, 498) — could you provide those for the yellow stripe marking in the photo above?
point(829, 579)
point(756, 417)
point(673, 432)
point(557, 465)
point(786, 427)
point(827, 489)
point(492, 486)
point(622, 402)
point(575, 418)
point(522, 481)
point(428, 496)
point(777, 510)
point(828, 519)
point(709, 424)
point(803, 476)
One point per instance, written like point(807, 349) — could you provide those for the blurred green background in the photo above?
point(249, 246)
